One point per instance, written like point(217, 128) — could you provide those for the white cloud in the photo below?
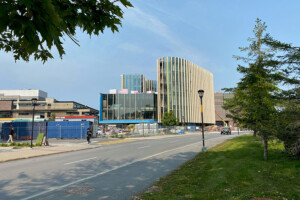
point(139, 18)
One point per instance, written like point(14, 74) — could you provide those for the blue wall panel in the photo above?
point(23, 130)
point(64, 129)
point(68, 129)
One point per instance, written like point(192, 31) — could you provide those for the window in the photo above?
point(5, 115)
point(72, 113)
point(22, 114)
point(30, 104)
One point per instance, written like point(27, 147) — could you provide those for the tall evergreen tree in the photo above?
point(254, 93)
point(288, 116)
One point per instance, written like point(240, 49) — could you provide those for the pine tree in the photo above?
point(254, 94)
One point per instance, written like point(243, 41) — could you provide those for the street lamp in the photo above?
point(201, 93)
point(34, 100)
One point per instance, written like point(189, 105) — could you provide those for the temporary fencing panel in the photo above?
point(23, 130)
point(68, 129)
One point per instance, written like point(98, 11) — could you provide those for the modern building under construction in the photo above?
point(178, 82)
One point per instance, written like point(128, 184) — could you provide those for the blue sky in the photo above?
point(205, 32)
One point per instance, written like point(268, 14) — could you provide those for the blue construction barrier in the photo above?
point(23, 130)
point(63, 129)
point(68, 129)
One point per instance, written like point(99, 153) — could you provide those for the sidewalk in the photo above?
point(16, 153)
point(65, 145)
point(55, 147)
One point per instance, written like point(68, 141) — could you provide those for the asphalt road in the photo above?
point(116, 171)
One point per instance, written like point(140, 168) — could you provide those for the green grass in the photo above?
point(17, 144)
point(233, 170)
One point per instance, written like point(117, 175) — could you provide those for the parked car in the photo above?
point(226, 131)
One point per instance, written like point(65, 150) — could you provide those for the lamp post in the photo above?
point(34, 100)
point(201, 93)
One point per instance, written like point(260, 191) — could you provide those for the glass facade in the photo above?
point(128, 107)
point(133, 82)
point(138, 82)
point(173, 86)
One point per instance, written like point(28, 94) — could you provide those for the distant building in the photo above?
point(137, 82)
point(151, 85)
point(221, 118)
point(22, 94)
point(19, 105)
point(178, 83)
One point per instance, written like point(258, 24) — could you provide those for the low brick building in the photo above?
point(20, 106)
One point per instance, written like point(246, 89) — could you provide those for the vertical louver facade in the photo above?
point(178, 82)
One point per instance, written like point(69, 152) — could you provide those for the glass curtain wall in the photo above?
point(129, 106)
point(173, 87)
point(133, 82)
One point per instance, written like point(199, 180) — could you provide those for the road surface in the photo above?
point(116, 171)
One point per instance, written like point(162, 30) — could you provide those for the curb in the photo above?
point(14, 159)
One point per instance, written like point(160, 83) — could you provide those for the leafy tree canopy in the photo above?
point(33, 27)
point(169, 119)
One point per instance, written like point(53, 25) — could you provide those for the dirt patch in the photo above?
point(153, 189)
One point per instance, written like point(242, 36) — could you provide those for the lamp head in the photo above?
point(34, 100)
point(201, 93)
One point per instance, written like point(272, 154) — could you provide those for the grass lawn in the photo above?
point(234, 169)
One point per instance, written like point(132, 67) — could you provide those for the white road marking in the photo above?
point(79, 161)
point(143, 147)
point(112, 169)
point(104, 172)
point(173, 141)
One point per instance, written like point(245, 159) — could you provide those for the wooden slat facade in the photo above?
point(178, 82)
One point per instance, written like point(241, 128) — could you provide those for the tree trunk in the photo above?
point(261, 140)
point(254, 133)
point(265, 148)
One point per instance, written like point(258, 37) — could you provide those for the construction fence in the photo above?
point(63, 129)
point(148, 129)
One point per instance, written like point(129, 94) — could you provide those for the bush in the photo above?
point(13, 144)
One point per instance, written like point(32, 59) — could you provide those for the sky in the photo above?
point(207, 33)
